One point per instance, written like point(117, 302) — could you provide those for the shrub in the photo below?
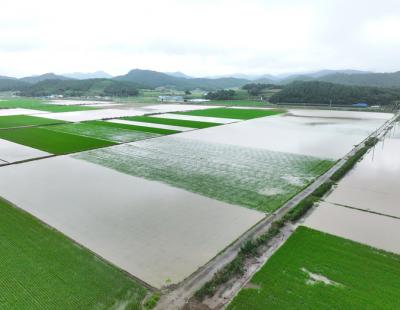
point(323, 189)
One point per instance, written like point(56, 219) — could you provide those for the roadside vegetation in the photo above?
point(43, 269)
point(350, 163)
point(321, 271)
point(253, 248)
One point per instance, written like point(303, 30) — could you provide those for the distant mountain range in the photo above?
point(39, 78)
point(152, 79)
point(86, 76)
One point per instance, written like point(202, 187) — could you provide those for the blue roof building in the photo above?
point(360, 105)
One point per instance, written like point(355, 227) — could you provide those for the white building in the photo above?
point(170, 98)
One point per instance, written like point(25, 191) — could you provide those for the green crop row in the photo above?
point(42, 269)
point(234, 113)
point(356, 276)
point(170, 121)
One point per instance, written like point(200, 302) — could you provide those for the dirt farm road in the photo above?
point(176, 298)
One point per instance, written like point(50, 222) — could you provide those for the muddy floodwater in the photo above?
point(374, 184)
point(79, 102)
point(217, 120)
point(13, 152)
point(326, 134)
point(90, 115)
point(153, 125)
point(166, 108)
point(378, 231)
point(19, 111)
point(156, 232)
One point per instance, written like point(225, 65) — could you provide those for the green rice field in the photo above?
point(233, 113)
point(98, 131)
point(14, 121)
point(42, 269)
point(57, 143)
point(63, 108)
point(159, 131)
point(255, 178)
point(20, 103)
point(239, 103)
point(169, 121)
point(40, 105)
point(355, 276)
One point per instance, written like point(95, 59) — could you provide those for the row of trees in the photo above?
point(256, 89)
point(326, 93)
point(76, 88)
point(223, 94)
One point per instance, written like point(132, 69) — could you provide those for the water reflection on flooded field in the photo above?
point(365, 205)
point(326, 134)
point(379, 231)
point(374, 184)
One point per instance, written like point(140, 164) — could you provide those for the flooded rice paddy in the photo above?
point(153, 125)
point(157, 233)
point(19, 111)
point(103, 132)
point(90, 115)
point(378, 231)
point(166, 108)
point(374, 184)
point(324, 134)
point(13, 152)
point(255, 178)
point(217, 120)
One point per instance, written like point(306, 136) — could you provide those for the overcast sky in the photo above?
point(208, 37)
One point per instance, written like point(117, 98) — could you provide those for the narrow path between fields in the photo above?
point(180, 295)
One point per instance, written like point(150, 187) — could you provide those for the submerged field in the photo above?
point(156, 232)
point(15, 121)
point(314, 270)
point(98, 130)
point(258, 179)
point(42, 269)
point(40, 105)
point(160, 131)
point(173, 122)
point(51, 141)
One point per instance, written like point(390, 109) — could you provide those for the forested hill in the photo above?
point(153, 79)
point(76, 88)
point(388, 80)
point(324, 93)
point(7, 83)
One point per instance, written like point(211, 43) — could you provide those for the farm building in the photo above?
point(170, 98)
